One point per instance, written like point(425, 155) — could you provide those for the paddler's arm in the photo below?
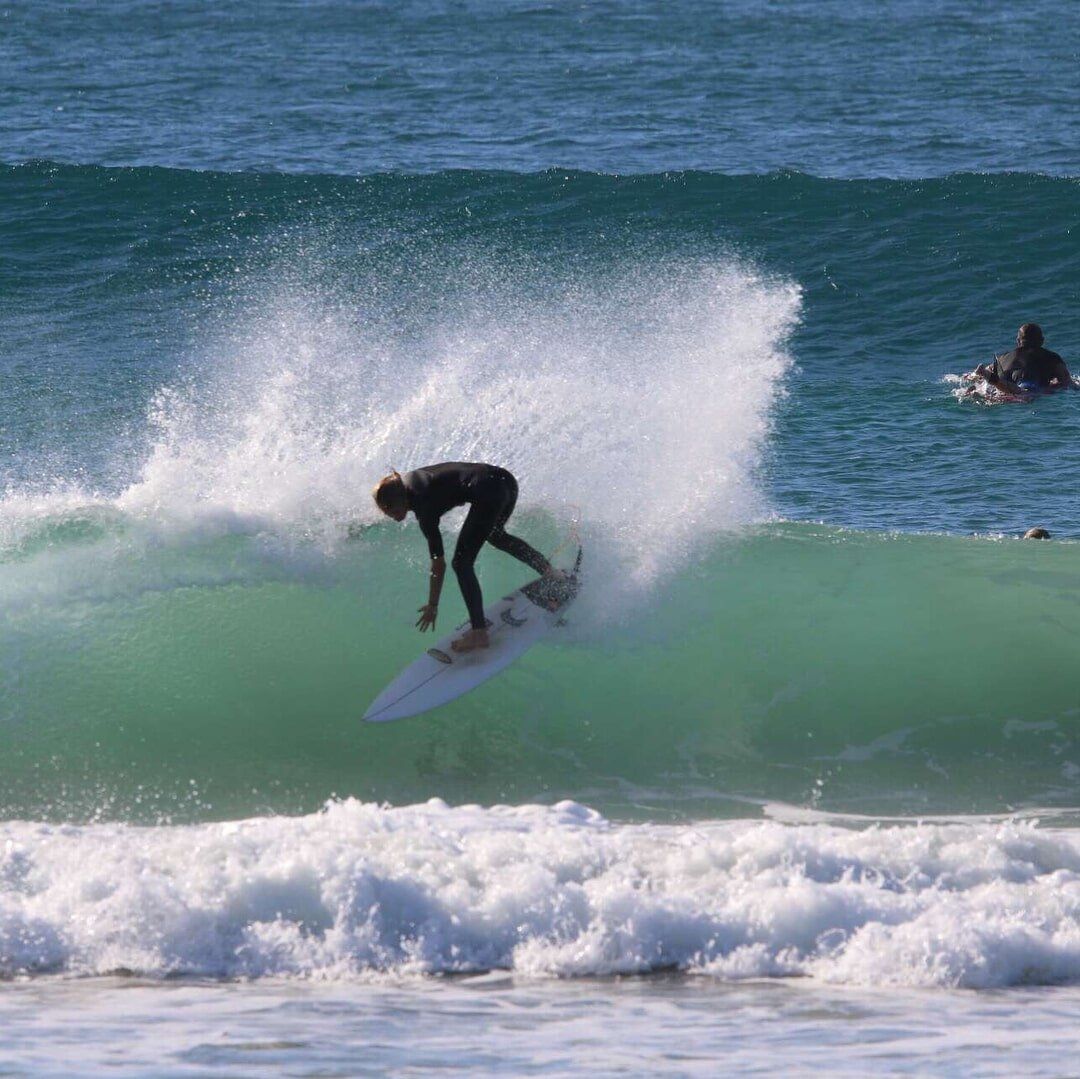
point(990, 371)
point(430, 611)
point(1061, 376)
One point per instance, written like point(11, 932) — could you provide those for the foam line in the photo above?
point(361, 890)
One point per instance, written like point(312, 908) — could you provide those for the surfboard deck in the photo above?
point(515, 623)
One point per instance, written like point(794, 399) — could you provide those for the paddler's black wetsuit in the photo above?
point(1031, 367)
point(491, 493)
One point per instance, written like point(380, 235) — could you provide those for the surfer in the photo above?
point(491, 494)
point(1029, 368)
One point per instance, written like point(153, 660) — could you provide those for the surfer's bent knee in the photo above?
point(463, 561)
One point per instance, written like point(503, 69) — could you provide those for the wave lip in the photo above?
point(359, 890)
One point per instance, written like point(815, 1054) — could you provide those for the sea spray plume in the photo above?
point(642, 395)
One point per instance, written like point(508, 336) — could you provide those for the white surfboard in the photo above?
point(515, 623)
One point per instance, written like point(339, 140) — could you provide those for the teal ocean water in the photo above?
point(702, 276)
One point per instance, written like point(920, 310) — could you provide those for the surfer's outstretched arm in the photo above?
point(430, 611)
point(392, 497)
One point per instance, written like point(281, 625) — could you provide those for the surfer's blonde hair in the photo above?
point(388, 490)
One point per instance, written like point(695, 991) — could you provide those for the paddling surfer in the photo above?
point(1029, 368)
point(491, 494)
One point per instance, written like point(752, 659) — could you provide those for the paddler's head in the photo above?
point(1029, 335)
point(390, 496)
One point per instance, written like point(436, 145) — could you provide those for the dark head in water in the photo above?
point(1036, 533)
point(1029, 335)
point(390, 497)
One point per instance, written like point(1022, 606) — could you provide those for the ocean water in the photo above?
point(798, 786)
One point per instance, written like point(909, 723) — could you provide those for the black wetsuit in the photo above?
point(1031, 367)
point(491, 493)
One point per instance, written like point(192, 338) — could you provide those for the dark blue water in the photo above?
point(902, 88)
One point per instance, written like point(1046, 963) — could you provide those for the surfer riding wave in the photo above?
point(491, 494)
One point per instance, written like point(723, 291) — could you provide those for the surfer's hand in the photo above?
point(428, 613)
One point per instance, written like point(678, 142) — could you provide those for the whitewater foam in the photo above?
point(360, 890)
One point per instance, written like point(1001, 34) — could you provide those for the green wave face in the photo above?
point(845, 671)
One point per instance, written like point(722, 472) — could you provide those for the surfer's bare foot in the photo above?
point(471, 641)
